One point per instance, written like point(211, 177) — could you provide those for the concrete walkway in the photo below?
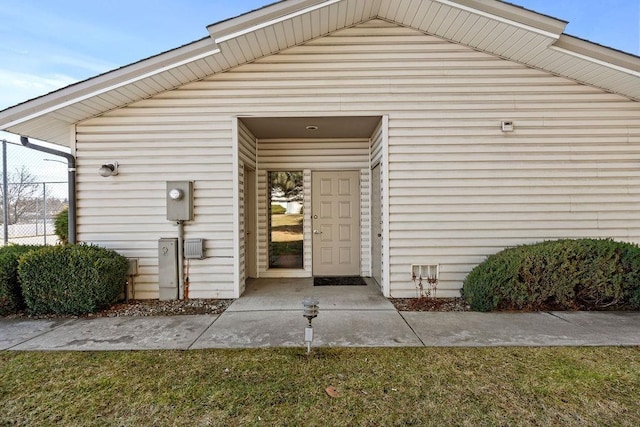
point(269, 314)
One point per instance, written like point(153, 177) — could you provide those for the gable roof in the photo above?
point(491, 26)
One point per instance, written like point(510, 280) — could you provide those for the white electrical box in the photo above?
point(507, 126)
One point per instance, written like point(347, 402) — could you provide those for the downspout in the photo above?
point(71, 168)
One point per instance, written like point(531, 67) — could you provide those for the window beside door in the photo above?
point(286, 219)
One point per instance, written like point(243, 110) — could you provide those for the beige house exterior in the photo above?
point(466, 126)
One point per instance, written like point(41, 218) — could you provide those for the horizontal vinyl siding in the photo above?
point(459, 188)
point(365, 222)
point(127, 212)
point(246, 146)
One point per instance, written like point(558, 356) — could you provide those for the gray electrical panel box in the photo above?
point(168, 268)
point(179, 197)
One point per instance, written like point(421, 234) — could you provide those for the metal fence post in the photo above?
point(44, 206)
point(5, 196)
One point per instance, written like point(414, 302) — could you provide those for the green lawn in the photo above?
point(432, 386)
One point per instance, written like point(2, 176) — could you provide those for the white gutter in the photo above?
point(495, 17)
point(595, 61)
point(274, 21)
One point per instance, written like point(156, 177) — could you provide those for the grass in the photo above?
point(287, 248)
point(426, 386)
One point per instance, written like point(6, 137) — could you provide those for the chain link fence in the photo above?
point(32, 192)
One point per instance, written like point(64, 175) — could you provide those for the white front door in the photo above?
point(335, 202)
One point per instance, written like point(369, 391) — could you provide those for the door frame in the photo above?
point(376, 224)
point(250, 224)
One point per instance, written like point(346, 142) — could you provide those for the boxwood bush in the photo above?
point(71, 279)
point(61, 226)
point(11, 300)
point(586, 274)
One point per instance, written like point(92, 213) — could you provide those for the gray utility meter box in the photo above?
point(168, 268)
point(179, 197)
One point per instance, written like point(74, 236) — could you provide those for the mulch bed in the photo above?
point(147, 307)
point(430, 304)
point(155, 307)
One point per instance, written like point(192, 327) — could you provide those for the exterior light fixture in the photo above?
point(310, 312)
point(108, 169)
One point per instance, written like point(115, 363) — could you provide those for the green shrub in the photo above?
point(71, 279)
point(565, 274)
point(61, 226)
point(277, 210)
point(11, 300)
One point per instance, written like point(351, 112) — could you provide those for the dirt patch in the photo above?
point(430, 304)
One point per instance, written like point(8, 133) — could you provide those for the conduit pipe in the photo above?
point(71, 170)
point(181, 286)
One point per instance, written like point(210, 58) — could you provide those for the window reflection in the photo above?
point(286, 219)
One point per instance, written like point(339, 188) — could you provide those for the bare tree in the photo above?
point(288, 183)
point(22, 187)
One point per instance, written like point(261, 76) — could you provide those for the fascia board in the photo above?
point(517, 13)
point(511, 15)
point(260, 16)
point(106, 82)
point(602, 55)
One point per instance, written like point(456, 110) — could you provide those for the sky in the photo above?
point(46, 45)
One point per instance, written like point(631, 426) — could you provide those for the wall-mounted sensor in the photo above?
point(507, 126)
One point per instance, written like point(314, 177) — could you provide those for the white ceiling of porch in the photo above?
point(361, 127)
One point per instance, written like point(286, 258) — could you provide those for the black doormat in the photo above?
point(339, 281)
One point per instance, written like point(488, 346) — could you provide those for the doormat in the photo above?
point(339, 281)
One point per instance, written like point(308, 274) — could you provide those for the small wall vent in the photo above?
point(194, 249)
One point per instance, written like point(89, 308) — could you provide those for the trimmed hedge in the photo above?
point(61, 226)
point(71, 279)
point(586, 274)
point(11, 300)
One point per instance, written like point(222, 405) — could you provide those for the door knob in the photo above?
point(317, 232)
